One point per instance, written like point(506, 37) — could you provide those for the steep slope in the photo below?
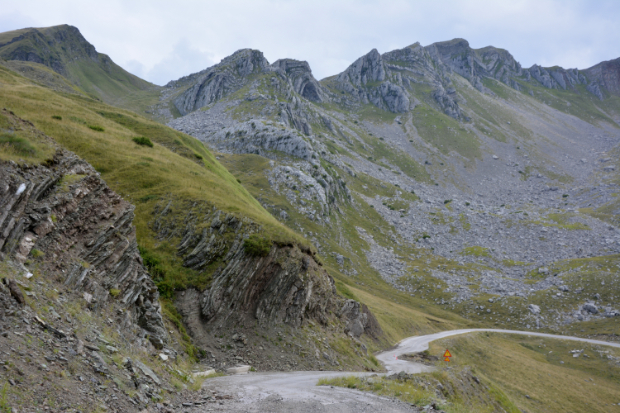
point(64, 50)
point(75, 285)
point(198, 231)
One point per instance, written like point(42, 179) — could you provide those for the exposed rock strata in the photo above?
point(286, 287)
point(66, 213)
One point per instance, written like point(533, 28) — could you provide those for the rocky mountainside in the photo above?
point(77, 286)
point(193, 253)
point(452, 173)
point(421, 189)
point(64, 50)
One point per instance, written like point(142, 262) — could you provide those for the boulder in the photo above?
point(589, 308)
point(243, 369)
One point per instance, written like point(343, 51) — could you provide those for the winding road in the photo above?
point(298, 392)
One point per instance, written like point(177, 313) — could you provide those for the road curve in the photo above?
point(298, 392)
point(420, 343)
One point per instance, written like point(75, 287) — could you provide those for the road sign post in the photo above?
point(447, 355)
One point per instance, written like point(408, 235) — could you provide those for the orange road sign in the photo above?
point(447, 354)
point(446, 359)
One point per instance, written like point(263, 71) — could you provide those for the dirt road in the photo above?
point(298, 392)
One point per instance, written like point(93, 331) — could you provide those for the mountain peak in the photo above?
point(64, 49)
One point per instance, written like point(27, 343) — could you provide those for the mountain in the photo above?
point(450, 172)
point(454, 175)
point(64, 50)
point(297, 224)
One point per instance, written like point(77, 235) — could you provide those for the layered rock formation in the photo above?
point(301, 79)
point(285, 286)
point(65, 213)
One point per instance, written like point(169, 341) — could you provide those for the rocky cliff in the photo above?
point(606, 75)
point(251, 283)
point(64, 212)
point(220, 80)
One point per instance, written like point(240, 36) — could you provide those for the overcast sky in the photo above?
point(164, 40)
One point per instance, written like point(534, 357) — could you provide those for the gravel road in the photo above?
point(298, 392)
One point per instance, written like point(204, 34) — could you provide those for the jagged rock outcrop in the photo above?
point(499, 64)
point(606, 75)
point(367, 81)
point(476, 64)
point(286, 285)
point(64, 213)
point(220, 80)
point(260, 138)
point(301, 79)
point(360, 319)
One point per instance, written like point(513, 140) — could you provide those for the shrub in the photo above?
point(195, 154)
point(18, 145)
point(257, 246)
point(147, 198)
point(141, 140)
point(36, 253)
point(114, 292)
point(96, 128)
point(56, 117)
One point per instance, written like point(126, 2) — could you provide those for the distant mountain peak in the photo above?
point(64, 49)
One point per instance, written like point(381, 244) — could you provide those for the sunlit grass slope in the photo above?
point(541, 375)
point(177, 167)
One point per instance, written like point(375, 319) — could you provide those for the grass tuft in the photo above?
point(257, 246)
point(141, 140)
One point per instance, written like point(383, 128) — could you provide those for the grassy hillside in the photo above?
point(64, 50)
point(176, 167)
point(541, 375)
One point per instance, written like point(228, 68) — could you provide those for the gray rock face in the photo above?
point(367, 81)
point(85, 232)
point(499, 64)
point(220, 80)
point(534, 309)
point(259, 138)
point(606, 74)
point(286, 286)
point(475, 64)
point(301, 79)
point(366, 69)
point(360, 319)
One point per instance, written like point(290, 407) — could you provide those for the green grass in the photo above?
point(445, 133)
point(257, 246)
point(22, 143)
point(539, 375)
point(141, 140)
point(450, 390)
point(476, 251)
point(16, 145)
point(177, 167)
